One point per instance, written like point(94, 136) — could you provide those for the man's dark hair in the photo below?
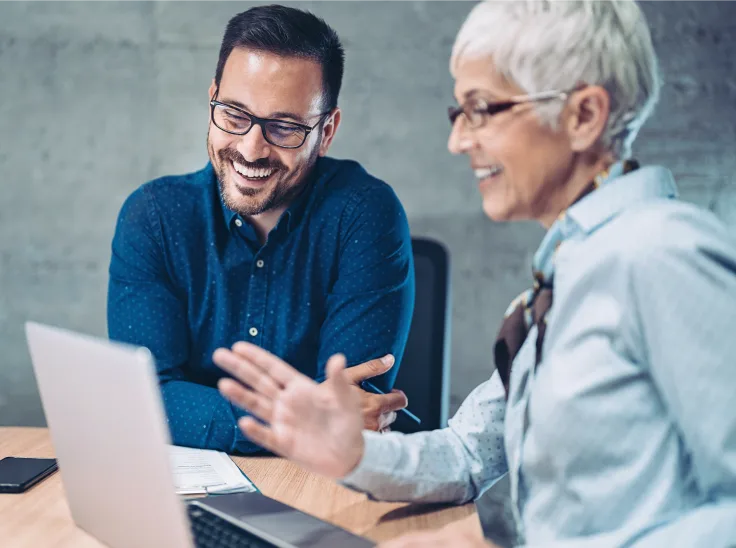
point(288, 32)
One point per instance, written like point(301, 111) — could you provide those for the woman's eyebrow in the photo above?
point(486, 94)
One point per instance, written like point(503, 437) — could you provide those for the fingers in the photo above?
point(370, 369)
point(243, 370)
point(269, 364)
point(392, 401)
point(257, 404)
point(336, 374)
point(386, 420)
point(379, 409)
point(260, 434)
point(343, 394)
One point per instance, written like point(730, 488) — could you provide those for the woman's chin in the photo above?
point(495, 210)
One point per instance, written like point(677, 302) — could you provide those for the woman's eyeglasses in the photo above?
point(476, 110)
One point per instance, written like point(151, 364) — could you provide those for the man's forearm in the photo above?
point(199, 416)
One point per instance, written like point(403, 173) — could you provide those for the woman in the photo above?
point(616, 422)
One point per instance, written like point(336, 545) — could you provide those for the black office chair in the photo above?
point(425, 368)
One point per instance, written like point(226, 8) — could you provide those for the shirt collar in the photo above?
point(227, 214)
point(294, 213)
point(615, 193)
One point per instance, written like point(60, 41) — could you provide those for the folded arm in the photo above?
point(145, 308)
point(370, 303)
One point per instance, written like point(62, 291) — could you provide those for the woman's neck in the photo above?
point(577, 186)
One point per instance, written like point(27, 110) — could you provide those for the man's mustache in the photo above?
point(229, 154)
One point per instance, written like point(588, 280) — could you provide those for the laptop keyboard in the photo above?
point(211, 531)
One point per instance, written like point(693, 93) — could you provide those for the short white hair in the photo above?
point(543, 45)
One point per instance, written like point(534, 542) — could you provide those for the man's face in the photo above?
point(254, 175)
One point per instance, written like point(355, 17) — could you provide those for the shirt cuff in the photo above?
point(375, 466)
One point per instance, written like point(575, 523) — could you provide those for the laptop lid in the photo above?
point(103, 408)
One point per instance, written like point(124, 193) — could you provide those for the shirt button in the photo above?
point(260, 263)
point(238, 223)
point(253, 331)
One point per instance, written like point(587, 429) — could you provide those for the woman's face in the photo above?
point(521, 165)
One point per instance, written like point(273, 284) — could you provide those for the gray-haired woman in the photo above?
point(617, 422)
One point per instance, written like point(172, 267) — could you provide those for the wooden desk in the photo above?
point(40, 516)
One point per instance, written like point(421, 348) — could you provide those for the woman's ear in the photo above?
point(587, 116)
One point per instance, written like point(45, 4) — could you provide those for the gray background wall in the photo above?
point(97, 98)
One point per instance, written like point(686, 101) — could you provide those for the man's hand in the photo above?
point(317, 426)
point(379, 410)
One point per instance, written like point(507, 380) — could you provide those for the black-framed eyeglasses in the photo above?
point(280, 133)
point(476, 110)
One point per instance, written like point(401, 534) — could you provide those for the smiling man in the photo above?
point(272, 242)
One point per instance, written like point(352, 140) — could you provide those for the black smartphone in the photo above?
point(18, 474)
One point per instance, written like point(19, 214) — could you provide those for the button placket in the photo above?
point(257, 298)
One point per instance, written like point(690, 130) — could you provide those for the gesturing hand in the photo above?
point(316, 426)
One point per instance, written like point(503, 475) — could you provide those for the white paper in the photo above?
point(203, 471)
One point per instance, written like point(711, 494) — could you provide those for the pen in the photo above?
point(368, 387)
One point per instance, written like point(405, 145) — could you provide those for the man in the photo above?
point(272, 242)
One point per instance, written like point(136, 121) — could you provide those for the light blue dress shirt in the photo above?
point(625, 433)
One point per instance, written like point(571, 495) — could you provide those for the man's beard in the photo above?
point(282, 192)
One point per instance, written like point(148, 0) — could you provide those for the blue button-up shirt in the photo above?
point(188, 275)
point(625, 433)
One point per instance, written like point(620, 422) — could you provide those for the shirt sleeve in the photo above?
point(145, 308)
point(686, 295)
point(370, 304)
point(454, 464)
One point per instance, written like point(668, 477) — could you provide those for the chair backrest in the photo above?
point(425, 368)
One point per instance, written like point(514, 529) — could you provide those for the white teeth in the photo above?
point(251, 173)
point(483, 173)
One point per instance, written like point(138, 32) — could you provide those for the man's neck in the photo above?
point(264, 223)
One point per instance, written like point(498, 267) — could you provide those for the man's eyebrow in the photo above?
point(285, 114)
point(278, 114)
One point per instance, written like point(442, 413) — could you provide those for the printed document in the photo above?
point(206, 472)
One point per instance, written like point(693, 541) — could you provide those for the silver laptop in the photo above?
point(107, 424)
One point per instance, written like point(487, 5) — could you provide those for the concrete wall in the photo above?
point(97, 98)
